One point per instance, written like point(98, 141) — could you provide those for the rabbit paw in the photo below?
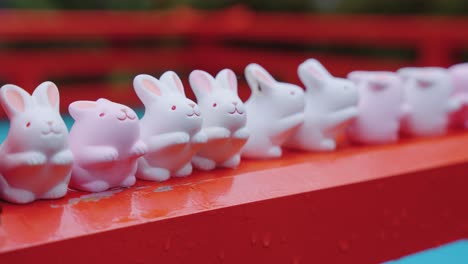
point(16, 195)
point(56, 192)
point(242, 133)
point(153, 174)
point(200, 137)
point(139, 149)
point(63, 158)
point(36, 158)
point(95, 186)
point(129, 181)
point(181, 138)
point(203, 163)
point(110, 155)
point(184, 171)
point(233, 162)
point(275, 152)
point(327, 145)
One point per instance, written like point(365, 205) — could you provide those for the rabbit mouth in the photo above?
point(51, 132)
point(193, 114)
point(126, 117)
point(236, 111)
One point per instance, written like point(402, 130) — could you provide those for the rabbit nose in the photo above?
point(192, 105)
point(124, 110)
point(234, 103)
point(50, 123)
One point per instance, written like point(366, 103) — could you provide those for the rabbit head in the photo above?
point(103, 118)
point(331, 92)
point(166, 107)
point(218, 99)
point(376, 83)
point(280, 99)
point(35, 120)
point(434, 82)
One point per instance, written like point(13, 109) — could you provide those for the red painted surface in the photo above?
point(184, 39)
point(361, 204)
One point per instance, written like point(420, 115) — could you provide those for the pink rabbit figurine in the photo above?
point(428, 100)
point(459, 75)
point(105, 142)
point(330, 104)
point(35, 160)
point(274, 111)
point(171, 127)
point(224, 119)
point(379, 108)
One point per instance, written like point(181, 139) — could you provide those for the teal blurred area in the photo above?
point(453, 253)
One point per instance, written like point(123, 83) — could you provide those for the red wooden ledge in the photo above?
point(360, 204)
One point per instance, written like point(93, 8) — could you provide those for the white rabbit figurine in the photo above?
point(171, 127)
point(224, 119)
point(274, 110)
point(428, 100)
point(330, 104)
point(380, 107)
point(35, 160)
point(106, 145)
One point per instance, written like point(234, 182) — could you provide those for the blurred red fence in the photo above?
point(91, 54)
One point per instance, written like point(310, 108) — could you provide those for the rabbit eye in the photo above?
point(173, 107)
point(28, 124)
point(215, 104)
point(102, 114)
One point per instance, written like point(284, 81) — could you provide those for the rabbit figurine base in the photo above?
point(35, 160)
point(171, 127)
point(330, 104)
point(274, 111)
point(379, 108)
point(224, 119)
point(105, 142)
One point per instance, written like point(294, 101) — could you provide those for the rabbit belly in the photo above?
point(220, 150)
point(172, 158)
point(427, 124)
point(370, 130)
point(113, 173)
point(37, 179)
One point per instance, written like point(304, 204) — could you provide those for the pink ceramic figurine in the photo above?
point(171, 127)
point(35, 161)
point(224, 119)
point(428, 100)
point(330, 104)
point(274, 110)
point(379, 109)
point(105, 142)
point(459, 75)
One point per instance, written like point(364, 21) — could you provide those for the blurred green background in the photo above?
point(459, 7)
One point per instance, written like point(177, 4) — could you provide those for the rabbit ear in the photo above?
point(227, 78)
point(173, 81)
point(14, 99)
point(257, 78)
point(313, 74)
point(202, 83)
point(78, 108)
point(147, 88)
point(47, 94)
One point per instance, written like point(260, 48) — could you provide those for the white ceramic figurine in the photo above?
point(428, 100)
point(330, 104)
point(274, 111)
point(35, 160)
point(224, 119)
point(171, 127)
point(379, 109)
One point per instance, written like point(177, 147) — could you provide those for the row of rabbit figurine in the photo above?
point(108, 146)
